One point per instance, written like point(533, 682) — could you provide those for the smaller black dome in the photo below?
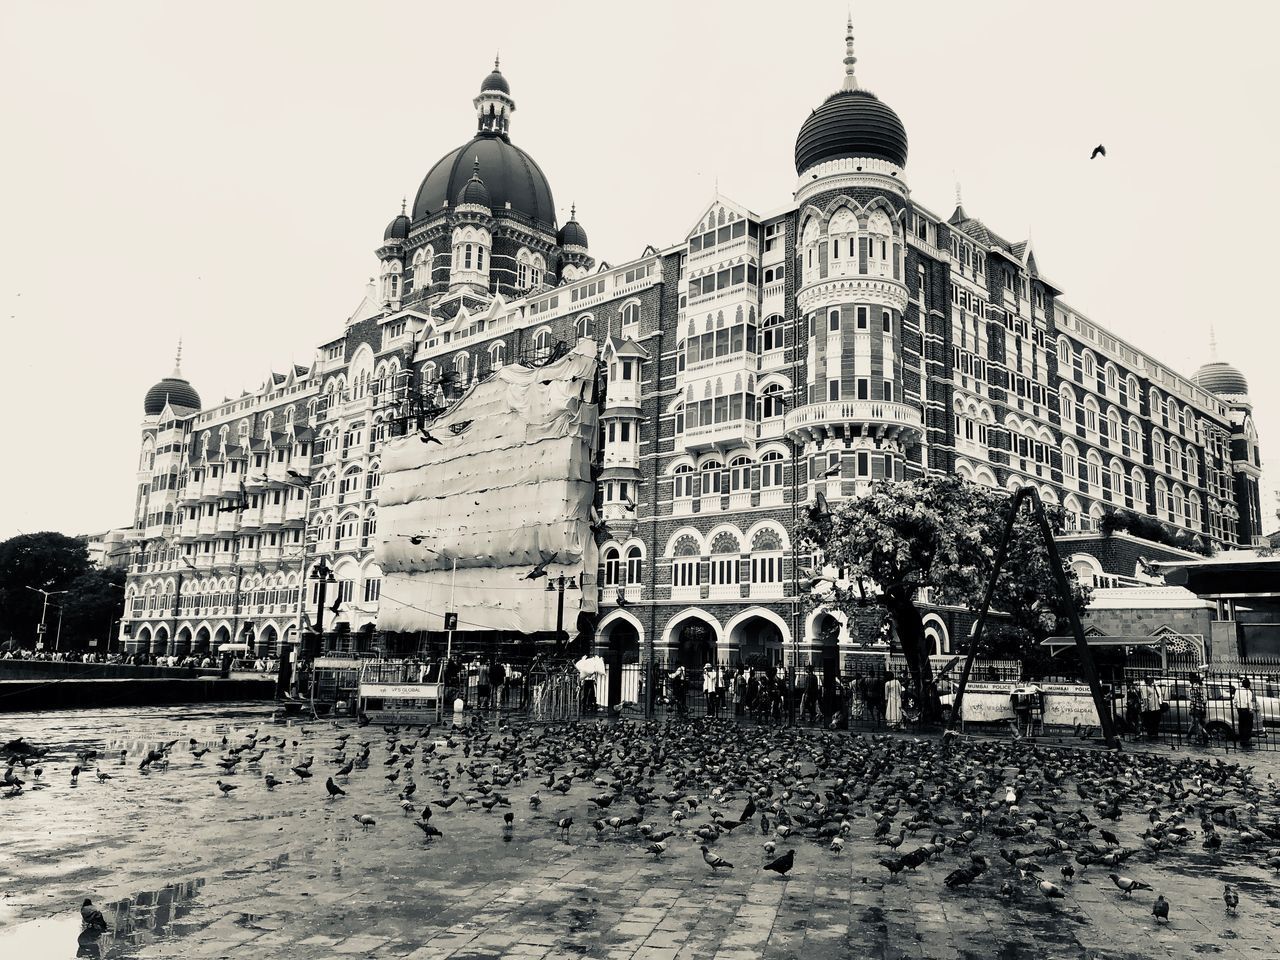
point(851, 123)
point(174, 390)
point(1222, 379)
point(474, 191)
point(397, 229)
point(496, 81)
point(572, 234)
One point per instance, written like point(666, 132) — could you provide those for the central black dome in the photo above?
point(851, 123)
point(173, 390)
point(510, 175)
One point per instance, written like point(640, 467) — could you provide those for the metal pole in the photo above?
point(453, 583)
point(43, 610)
point(57, 640)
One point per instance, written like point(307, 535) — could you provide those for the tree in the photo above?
point(47, 561)
point(941, 533)
point(93, 602)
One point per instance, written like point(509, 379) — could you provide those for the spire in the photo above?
point(850, 81)
point(496, 61)
point(404, 202)
point(958, 203)
point(573, 211)
point(177, 362)
point(1213, 345)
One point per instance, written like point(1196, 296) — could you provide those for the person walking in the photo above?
point(809, 696)
point(892, 701)
point(1150, 704)
point(1198, 706)
point(1246, 705)
point(678, 682)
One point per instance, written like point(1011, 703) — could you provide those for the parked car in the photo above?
point(1220, 716)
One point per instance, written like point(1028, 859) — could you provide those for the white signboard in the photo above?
point(1066, 704)
point(987, 702)
point(410, 691)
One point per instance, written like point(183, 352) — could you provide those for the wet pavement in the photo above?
point(180, 870)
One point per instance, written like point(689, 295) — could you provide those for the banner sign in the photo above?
point(987, 702)
point(412, 691)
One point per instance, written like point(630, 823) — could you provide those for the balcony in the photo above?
point(273, 515)
point(878, 418)
point(296, 509)
point(625, 455)
point(208, 526)
point(634, 592)
point(228, 522)
point(622, 396)
point(724, 436)
point(771, 429)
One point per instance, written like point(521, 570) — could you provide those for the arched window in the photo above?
point(711, 481)
point(635, 562)
point(461, 366)
point(612, 567)
point(1067, 407)
point(1065, 355)
point(724, 559)
point(685, 567)
point(766, 557)
point(772, 402)
point(630, 316)
point(740, 475)
point(771, 469)
point(497, 355)
point(774, 336)
point(684, 478)
point(1139, 485)
point(542, 343)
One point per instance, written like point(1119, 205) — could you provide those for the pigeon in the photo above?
point(1231, 899)
point(75, 774)
point(427, 829)
point(1051, 890)
point(1127, 884)
point(346, 768)
point(783, 864)
point(962, 876)
point(364, 820)
point(271, 781)
point(1098, 151)
point(715, 861)
point(102, 775)
point(540, 570)
point(564, 823)
point(334, 789)
point(658, 848)
point(1160, 909)
point(302, 772)
point(226, 788)
point(92, 916)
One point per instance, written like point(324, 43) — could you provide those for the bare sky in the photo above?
point(223, 172)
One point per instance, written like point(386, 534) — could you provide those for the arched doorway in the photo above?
point(759, 642)
point(695, 646)
point(622, 650)
point(222, 636)
point(143, 644)
point(182, 643)
point(160, 642)
point(201, 644)
point(267, 641)
point(364, 638)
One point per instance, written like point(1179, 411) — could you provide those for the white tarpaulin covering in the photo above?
point(510, 490)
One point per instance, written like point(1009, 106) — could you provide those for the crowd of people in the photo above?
point(774, 693)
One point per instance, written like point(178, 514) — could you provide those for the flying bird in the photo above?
point(426, 437)
point(1098, 151)
point(540, 570)
point(832, 472)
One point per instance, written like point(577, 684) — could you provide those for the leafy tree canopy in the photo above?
point(48, 561)
point(941, 533)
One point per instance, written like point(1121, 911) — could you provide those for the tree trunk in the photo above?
point(910, 627)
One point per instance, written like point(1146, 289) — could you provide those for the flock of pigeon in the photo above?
point(1002, 817)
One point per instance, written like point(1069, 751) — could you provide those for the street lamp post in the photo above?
point(323, 576)
point(44, 610)
point(558, 584)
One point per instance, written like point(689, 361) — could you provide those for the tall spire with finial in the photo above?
point(177, 362)
point(573, 211)
point(404, 202)
point(850, 81)
point(1213, 344)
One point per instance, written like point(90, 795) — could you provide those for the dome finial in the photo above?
point(850, 81)
point(496, 60)
point(958, 203)
point(573, 211)
point(1213, 345)
point(404, 202)
point(177, 362)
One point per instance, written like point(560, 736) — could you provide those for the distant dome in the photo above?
point(510, 176)
point(495, 81)
point(572, 234)
point(1222, 379)
point(474, 191)
point(174, 390)
point(397, 229)
point(851, 123)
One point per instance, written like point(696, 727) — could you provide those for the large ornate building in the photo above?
point(853, 336)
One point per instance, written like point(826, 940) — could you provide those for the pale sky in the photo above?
point(223, 172)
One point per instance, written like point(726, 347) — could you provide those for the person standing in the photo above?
point(678, 681)
point(1246, 705)
point(809, 696)
point(892, 701)
point(739, 690)
point(1198, 707)
point(709, 688)
point(1150, 703)
point(498, 681)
